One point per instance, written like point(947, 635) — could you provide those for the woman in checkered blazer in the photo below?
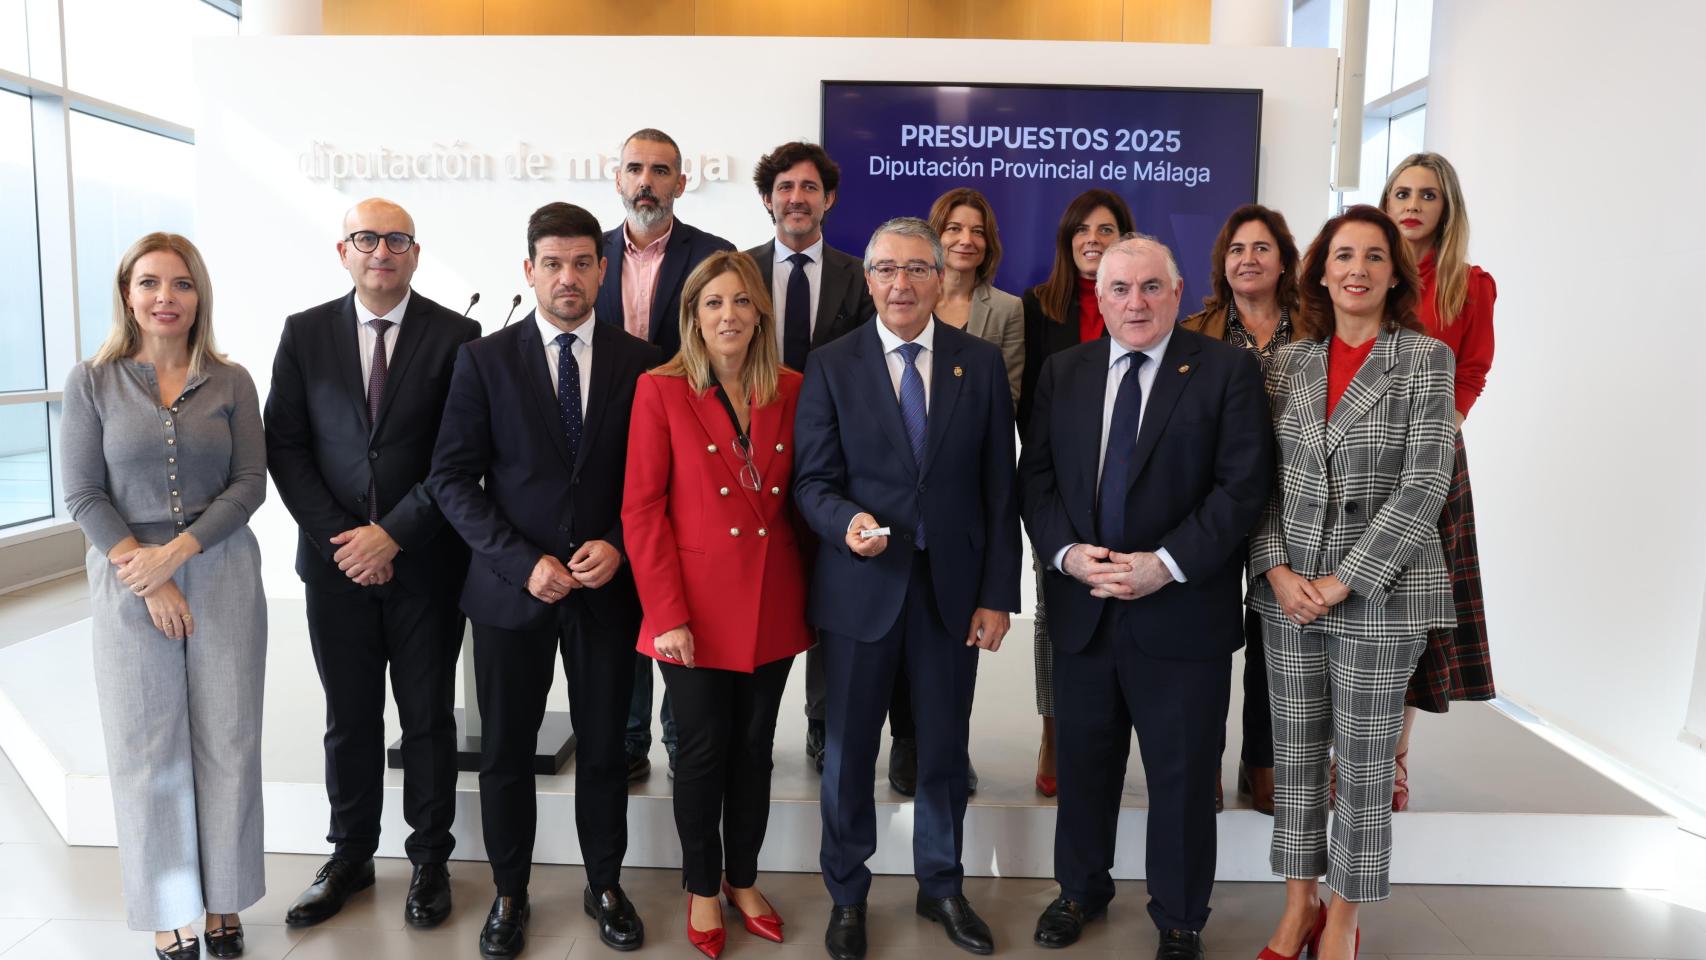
point(1346, 565)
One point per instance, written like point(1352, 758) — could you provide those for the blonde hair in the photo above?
point(762, 370)
point(1451, 237)
point(124, 339)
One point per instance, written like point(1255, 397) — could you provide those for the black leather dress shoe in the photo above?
point(815, 744)
point(1180, 945)
point(619, 925)
point(337, 881)
point(638, 767)
point(903, 765)
point(505, 932)
point(1062, 923)
point(225, 942)
point(181, 950)
point(428, 902)
point(845, 938)
point(964, 927)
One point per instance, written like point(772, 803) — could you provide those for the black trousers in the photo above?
point(727, 726)
point(901, 722)
point(356, 635)
point(513, 670)
point(1178, 708)
point(1258, 749)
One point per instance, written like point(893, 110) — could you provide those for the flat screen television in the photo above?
point(1181, 158)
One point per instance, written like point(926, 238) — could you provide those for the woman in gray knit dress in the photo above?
point(164, 464)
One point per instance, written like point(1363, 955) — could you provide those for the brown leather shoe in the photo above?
point(1258, 784)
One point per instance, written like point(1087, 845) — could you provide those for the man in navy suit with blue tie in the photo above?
point(528, 469)
point(1147, 462)
point(904, 469)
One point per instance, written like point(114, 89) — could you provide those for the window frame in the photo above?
point(51, 106)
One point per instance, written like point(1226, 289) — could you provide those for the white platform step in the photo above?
point(1493, 802)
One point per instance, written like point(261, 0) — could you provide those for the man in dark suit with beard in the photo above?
point(529, 470)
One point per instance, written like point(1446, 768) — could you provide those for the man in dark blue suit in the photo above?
point(1148, 460)
point(905, 472)
point(528, 469)
point(647, 260)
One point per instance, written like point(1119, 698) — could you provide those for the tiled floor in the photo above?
point(65, 902)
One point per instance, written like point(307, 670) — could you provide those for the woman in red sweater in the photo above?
point(708, 516)
point(1424, 198)
point(1062, 312)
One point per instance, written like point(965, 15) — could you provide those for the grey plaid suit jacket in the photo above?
point(1359, 496)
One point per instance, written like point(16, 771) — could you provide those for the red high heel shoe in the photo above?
point(1400, 783)
point(769, 927)
point(708, 942)
point(1311, 943)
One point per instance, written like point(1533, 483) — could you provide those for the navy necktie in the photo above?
point(797, 319)
point(912, 411)
point(569, 392)
point(376, 373)
point(1122, 448)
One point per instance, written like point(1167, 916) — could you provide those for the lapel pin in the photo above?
point(1184, 368)
point(959, 372)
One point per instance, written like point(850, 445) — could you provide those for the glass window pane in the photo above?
point(14, 41)
point(23, 365)
point(126, 183)
point(26, 476)
point(1315, 23)
point(1381, 16)
point(1407, 132)
point(1373, 168)
point(1414, 32)
point(107, 43)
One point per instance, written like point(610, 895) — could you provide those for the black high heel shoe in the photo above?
point(225, 940)
point(182, 949)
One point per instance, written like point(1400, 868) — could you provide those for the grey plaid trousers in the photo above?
point(1346, 693)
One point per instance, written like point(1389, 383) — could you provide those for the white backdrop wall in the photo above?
point(268, 227)
point(1579, 140)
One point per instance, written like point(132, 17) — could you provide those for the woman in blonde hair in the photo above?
point(164, 464)
point(1423, 197)
point(708, 521)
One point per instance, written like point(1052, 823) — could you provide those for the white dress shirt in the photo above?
point(582, 349)
point(781, 270)
point(367, 333)
point(897, 363)
point(1118, 367)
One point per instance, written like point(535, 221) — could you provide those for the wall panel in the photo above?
point(1150, 21)
point(590, 18)
point(1167, 21)
point(1016, 19)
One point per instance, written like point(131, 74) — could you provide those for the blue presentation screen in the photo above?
point(1182, 159)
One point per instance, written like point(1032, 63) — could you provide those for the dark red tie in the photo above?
point(375, 392)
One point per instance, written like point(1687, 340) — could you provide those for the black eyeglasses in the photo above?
point(367, 241)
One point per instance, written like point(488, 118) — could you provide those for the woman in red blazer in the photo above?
point(708, 520)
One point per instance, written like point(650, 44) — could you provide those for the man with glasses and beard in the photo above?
point(529, 467)
point(647, 260)
point(358, 387)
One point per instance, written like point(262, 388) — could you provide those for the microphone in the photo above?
point(512, 305)
point(471, 301)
